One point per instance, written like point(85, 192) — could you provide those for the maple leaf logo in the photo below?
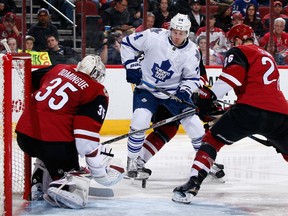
point(162, 72)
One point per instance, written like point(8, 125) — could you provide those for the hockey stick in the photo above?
point(172, 96)
point(101, 192)
point(157, 124)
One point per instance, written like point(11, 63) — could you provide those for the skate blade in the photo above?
point(140, 176)
point(182, 197)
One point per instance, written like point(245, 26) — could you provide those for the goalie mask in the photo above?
point(92, 66)
point(181, 22)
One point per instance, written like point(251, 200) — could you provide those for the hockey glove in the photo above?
point(178, 103)
point(206, 100)
point(183, 95)
point(133, 72)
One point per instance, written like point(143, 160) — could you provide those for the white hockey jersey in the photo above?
point(164, 65)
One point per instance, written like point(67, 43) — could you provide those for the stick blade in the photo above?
point(101, 192)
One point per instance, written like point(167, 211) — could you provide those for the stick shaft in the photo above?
point(157, 124)
point(167, 93)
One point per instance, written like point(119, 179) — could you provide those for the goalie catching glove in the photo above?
point(104, 168)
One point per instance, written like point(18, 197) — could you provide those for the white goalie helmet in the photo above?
point(180, 22)
point(93, 66)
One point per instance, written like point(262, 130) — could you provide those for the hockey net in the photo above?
point(15, 167)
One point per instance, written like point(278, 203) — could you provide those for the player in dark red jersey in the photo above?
point(64, 118)
point(261, 107)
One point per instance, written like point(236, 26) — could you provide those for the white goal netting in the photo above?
point(12, 162)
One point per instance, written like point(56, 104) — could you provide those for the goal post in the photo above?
point(15, 166)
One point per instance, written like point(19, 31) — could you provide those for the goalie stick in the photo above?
point(157, 124)
point(172, 96)
point(101, 192)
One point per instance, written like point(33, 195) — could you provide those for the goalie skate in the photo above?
point(69, 192)
point(65, 198)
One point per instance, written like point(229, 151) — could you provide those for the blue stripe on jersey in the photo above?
point(194, 79)
point(129, 44)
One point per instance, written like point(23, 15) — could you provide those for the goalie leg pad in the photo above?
point(70, 192)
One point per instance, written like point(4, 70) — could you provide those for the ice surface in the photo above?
point(256, 184)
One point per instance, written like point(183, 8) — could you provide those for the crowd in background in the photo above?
point(117, 18)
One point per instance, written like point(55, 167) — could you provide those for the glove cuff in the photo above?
point(132, 64)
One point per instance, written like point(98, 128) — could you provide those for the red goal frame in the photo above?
point(7, 127)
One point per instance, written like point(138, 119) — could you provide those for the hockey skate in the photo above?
point(143, 173)
point(185, 193)
point(217, 173)
point(136, 169)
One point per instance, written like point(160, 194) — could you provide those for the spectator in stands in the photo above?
point(9, 29)
point(218, 41)
point(150, 22)
point(117, 16)
point(277, 12)
point(223, 18)
point(110, 53)
point(163, 14)
point(237, 18)
point(214, 58)
point(135, 11)
point(197, 19)
point(7, 6)
point(59, 54)
point(253, 20)
point(241, 5)
point(29, 43)
point(42, 29)
point(12, 44)
point(280, 39)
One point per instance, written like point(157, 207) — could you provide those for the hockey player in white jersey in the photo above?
point(171, 62)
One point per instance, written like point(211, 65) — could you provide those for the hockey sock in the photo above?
point(135, 143)
point(204, 159)
point(156, 140)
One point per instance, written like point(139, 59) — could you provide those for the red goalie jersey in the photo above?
point(253, 74)
point(68, 105)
